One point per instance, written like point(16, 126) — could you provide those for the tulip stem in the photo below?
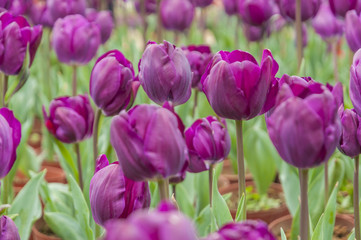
point(238, 27)
point(162, 185)
point(74, 79)
point(326, 183)
point(78, 159)
point(299, 34)
point(335, 61)
point(143, 12)
point(304, 221)
point(240, 161)
point(356, 199)
point(5, 89)
point(159, 23)
point(98, 114)
point(6, 192)
point(210, 174)
point(195, 103)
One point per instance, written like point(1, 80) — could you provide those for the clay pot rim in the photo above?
point(36, 232)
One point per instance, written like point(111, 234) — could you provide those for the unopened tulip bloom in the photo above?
point(309, 8)
point(16, 36)
point(208, 142)
point(355, 82)
point(62, 8)
point(231, 7)
point(337, 92)
point(253, 33)
point(176, 15)
point(39, 14)
point(70, 119)
point(163, 223)
point(112, 83)
point(165, 74)
point(341, 7)
point(75, 40)
point(6, 4)
point(351, 133)
point(198, 58)
point(202, 3)
point(104, 20)
point(236, 86)
point(352, 30)
point(10, 135)
point(19, 7)
point(304, 125)
point(112, 195)
point(142, 153)
point(255, 12)
point(150, 6)
point(8, 229)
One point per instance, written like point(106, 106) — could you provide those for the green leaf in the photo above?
point(184, 202)
point(241, 205)
point(290, 184)
point(66, 159)
point(352, 235)
point(154, 192)
point(295, 229)
point(203, 223)
point(283, 235)
point(202, 190)
point(27, 205)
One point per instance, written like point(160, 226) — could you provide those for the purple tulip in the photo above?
point(255, 12)
point(253, 33)
point(8, 229)
point(231, 7)
point(114, 196)
point(337, 92)
point(104, 20)
point(165, 74)
point(271, 96)
point(208, 142)
point(159, 224)
point(351, 133)
point(19, 7)
point(75, 40)
point(70, 118)
point(198, 58)
point(202, 3)
point(236, 86)
point(355, 82)
point(39, 14)
point(150, 6)
point(352, 30)
point(62, 8)
point(341, 7)
point(112, 83)
point(304, 125)
point(6, 4)
point(10, 135)
point(309, 8)
point(15, 36)
point(247, 230)
point(135, 136)
point(176, 15)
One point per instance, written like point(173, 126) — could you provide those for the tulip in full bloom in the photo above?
point(114, 196)
point(236, 86)
point(165, 74)
point(143, 150)
point(341, 7)
point(326, 24)
point(62, 8)
point(70, 119)
point(8, 229)
point(351, 133)
point(255, 12)
point(104, 20)
point(176, 15)
point(16, 35)
point(75, 40)
point(309, 8)
point(355, 82)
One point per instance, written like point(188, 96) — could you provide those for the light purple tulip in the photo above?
point(62, 8)
point(352, 30)
point(309, 8)
point(39, 14)
point(176, 15)
point(8, 229)
point(231, 7)
point(355, 82)
point(351, 133)
point(104, 20)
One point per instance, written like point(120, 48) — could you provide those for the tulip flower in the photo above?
point(114, 196)
point(150, 6)
point(165, 74)
point(62, 8)
point(39, 14)
point(202, 3)
point(255, 12)
point(6, 4)
point(158, 224)
point(8, 229)
point(355, 82)
point(176, 15)
point(231, 7)
point(253, 33)
point(341, 7)
point(255, 230)
point(16, 35)
point(309, 8)
point(104, 20)
point(326, 24)
point(352, 31)
point(351, 133)
point(19, 7)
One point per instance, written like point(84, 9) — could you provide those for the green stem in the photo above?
point(162, 185)
point(159, 24)
point(78, 159)
point(304, 221)
point(210, 174)
point(6, 193)
point(98, 114)
point(240, 161)
point(74, 80)
point(299, 34)
point(238, 27)
point(5, 88)
point(335, 61)
point(195, 103)
point(143, 13)
point(356, 199)
point(326, 183)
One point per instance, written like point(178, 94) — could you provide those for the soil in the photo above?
point(340, 233)
point(41, 231)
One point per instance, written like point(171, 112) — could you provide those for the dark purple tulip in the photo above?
point(236, 86)
point(112, 83)
point(62, 8)
point(247, 230)
point(39, 14)
point(352, 30)
point(15, 36)
point(326, 24)
point(253, 33)
point(163, 223)
point(114, 196)
point(142, 153)
point(255, 12)
point(176, 15)
point(208, 142)
point(271, 96)
point(104, 20)
point(309, 8)
point(355, 82)
point(150, 6)
point(20, 7)
point(351, 133)
point(198, 58)
point(165, 74)
point(70, 118)
point(341, 7)
point(10, 135)
point(75, 40)
point(304, 125)
point(231, 7)
point(6, 4)
point(8, 229)
point(202, 3)
point(337, 92)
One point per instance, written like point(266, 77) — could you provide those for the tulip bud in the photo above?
point(104, 20)
point(231, 7)
point(165, 74)
point(70, 119)
point(112, 83)
point(19, 7)
point(15, 37)
point(141, 152)
point(236, 86)
point(114, 196)
point(351, 133)
point(355, 82)
point(255, 230)
point(6, 4)
point(341, 7)
point(8, 229)
point(176, 14)
point(304, 125)
point(352, 31)
point(253, 33)
point(309, 8)
point(202, 3)
point(39, 14)
point(62, 8)
point(75, 40)
point(10, 136)
point(255, 12)
point(208, 142)
point(150, 6)
point(198, 58)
